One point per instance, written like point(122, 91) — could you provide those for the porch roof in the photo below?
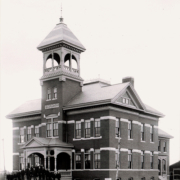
point(46, 142)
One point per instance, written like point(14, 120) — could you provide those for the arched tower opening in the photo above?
point(70, 61)
point(52, 60)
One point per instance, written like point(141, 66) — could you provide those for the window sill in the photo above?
point(91, 138)
point(152, 142)
point(143, 141)
point(54, 99)
point(131, 139)
point(21, 143)
point(118, 137)
point(48, 99)
point(53, 137)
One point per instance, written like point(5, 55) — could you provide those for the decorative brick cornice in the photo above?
point(61, 45)
point(108, 117)
point(124, 120)
point(136, 122)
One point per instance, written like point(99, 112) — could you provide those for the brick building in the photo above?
point(85, 130)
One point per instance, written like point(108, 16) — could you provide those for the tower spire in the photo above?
point(61, 18)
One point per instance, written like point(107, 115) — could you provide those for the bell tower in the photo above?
point(61, 78)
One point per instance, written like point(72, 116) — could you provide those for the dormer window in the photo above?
point(49, 94)
point(55, 93)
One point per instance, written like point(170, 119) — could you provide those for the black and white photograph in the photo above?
point(90, 90)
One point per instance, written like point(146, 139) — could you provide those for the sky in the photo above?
point(138, 38)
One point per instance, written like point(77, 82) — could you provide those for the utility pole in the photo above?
point(118, 165)
point(4, 160)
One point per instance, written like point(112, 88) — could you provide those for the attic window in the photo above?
point(125, 100)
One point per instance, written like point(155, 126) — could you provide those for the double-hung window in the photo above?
point(97, 128)
point(159, 145)
point(97, 159)
point(52, 127)
point(78, 130)
point(49, 94)
point(55, 93)
point(78, 160)
point(129, 159)
point(164, 166)
point(21, 161)
point(49, 129)
point(87, 129)
point(151, 160)
point(142, 132)
point(117, 128)
point(21, 135)
point(129, 129)
point(164, 147)
point(159, 166)
point(142, 159)
point(37, 131)
point(151, 134)
point(29, 133)
point(55, 129)
point(87, 159)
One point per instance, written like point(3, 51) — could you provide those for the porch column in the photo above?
point(24, 163)
point(62, 60)
point(49, 163)
point(44, 162)
point(55, 164)
point(78, 64)
point(52, 61)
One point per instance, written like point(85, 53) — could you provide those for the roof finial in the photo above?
point(61, 18)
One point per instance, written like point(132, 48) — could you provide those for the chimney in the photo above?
point(128, 79)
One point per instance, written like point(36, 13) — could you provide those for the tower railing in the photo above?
point(59, 67)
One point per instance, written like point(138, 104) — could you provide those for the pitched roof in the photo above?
point(61, 33)
point(28, 108)
point(48, 142)
point(164, 134)
point(175, 165)
point(95, 93)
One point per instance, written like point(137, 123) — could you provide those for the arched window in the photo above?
point(55, 93)
point(164, 166)
point(49, 94)
point(159, 166)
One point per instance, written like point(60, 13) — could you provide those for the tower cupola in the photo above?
point(61, 53)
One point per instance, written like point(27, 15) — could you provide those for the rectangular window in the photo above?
point(151, 160)
point(37, 131)
point(87, 129)
point(28, 162)
point(21, 135)
point(78, 130)
point(142, 159)
point(48, 94)
point(164, 148)
point(97, 128)
point(55, 129)
point(29, 133)
point(78, 160)
point(151, 134)
point(21, 163)
point(87, 159)
point(117, 129)
point(130, 130)
point(97, 159)
point(129, 159)
point(49, 128)
point(55, 93)
point(159, 145)
point(142, 132)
